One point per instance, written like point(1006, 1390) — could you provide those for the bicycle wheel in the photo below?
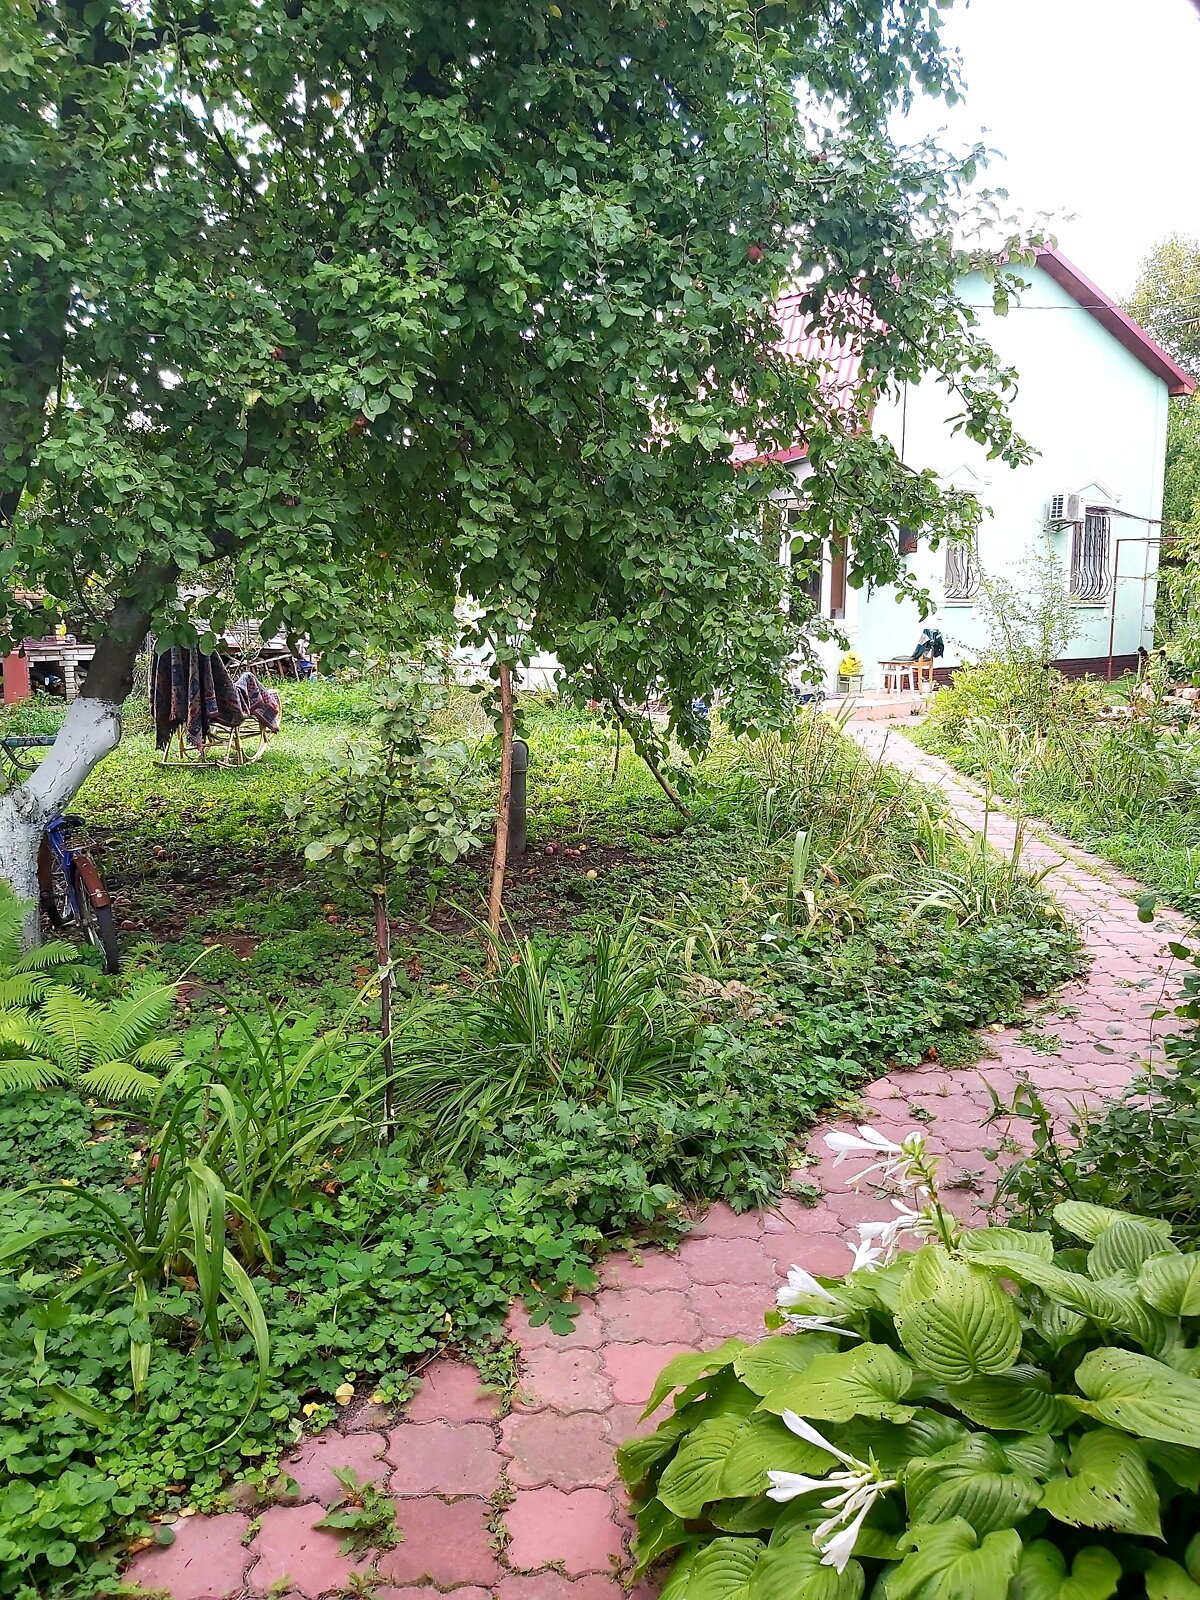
point(96, 910)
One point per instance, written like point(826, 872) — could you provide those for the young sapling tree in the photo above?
point(400, 799)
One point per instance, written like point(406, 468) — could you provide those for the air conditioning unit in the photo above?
point(1064, 509)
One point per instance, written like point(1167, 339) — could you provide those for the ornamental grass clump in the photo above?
point(983, 1417)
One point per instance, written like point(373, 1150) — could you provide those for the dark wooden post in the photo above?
point(517, 798)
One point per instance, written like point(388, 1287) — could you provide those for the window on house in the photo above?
point(807, 558)
point(908, 541)
point(962, 572)
point(1091, 549)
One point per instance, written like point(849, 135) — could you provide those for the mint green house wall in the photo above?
point(1096, 416)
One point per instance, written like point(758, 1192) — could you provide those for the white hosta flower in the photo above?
point(801, 1286)
point(856, 1487)
point(866, 1254)
point(802, 1324)
point(837, 1549)
point(879, 1242)
point(899, 1165)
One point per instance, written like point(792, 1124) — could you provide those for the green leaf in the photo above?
point(74, 1402)
point(720, 1571)
point(637, 1457)
point(1172, 1284)
point(867, 1381)
point(1109, 1486)
point(973, 1479)
point(1088, 1222)
point(792, 1570)
point(1123, 1247)
point(1043, 1574)
point(765, 1365)
point(1139, 1395)
point(1165, 1580)
point(745, 1516)
point(1111, 1304)
point(975, 1241)
point(955, 1320)
point(693, 1476)
point(1035, 1453)
point(1017, 1400)
point(658, 1532)
point(948, 1562)
point(687, 1368)
point(767, 1444)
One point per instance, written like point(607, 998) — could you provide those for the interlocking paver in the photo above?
point(568, 1380)
point(544, 1447)
point(312, 1467)
point(578, 1395)
point(289, 1550)
point(575, 1528)
point(443, 1542)
point(443, 1458)
point(451, 1392)
point(206, 1561)
point(655, 1315)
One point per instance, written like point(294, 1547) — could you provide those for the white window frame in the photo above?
point(1090, 572)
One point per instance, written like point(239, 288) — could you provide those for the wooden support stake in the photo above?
point(383, 955)
point(500, 854)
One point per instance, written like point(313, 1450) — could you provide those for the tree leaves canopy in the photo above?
point(334, 312)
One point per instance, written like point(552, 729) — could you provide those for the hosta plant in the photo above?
point(981, 1418)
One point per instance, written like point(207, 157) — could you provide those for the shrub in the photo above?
point(539, 1032)
point(1010, 704)
point(920, 1429)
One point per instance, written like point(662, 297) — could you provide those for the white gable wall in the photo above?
point(1095, 414)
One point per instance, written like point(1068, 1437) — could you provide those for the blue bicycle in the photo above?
point(71, 892)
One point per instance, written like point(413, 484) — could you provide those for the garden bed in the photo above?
point(813, 924)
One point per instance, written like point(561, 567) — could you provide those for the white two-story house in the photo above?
point(1093, 403)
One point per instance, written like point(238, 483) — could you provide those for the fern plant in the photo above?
point(52, 1036)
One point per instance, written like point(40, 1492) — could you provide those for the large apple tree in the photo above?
point(329, 311)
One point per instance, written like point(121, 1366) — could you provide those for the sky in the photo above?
point(1092, 103)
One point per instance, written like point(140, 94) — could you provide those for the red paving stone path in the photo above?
point(525, 1506)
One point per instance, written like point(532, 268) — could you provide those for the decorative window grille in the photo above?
point(1090, 555)
point(962, 572)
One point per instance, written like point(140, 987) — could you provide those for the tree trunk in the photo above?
point(624, 720)
point(90, 731)
point(19, 841)
point(383, 955)
point(500, 854)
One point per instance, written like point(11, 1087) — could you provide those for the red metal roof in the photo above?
point(1119, 323)
point(838, 359)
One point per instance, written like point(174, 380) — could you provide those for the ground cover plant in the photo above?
point(1140, 1151)
point(194, 1278)
point(919, 1432)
